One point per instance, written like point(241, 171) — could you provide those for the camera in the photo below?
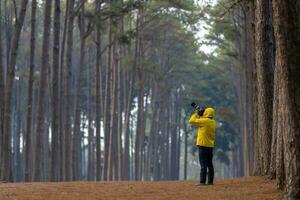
point(198, 108)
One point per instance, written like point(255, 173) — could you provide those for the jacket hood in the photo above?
point(209, 112)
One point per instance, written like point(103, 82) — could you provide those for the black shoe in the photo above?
point(210, 183)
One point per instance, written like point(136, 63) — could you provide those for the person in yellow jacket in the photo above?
point(205, 142)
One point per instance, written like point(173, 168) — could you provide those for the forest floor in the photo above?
point(239, 189)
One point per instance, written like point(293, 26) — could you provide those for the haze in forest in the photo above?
point(102, 90)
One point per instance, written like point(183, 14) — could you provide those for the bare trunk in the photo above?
point(61, 93)
point(287, 35)
point(91, 139)
point(98, 99)
point(126, 161)
point(28, 133)
point(76, 144)
point(55, 148)
point(2, 85)
point(107, 104)
point(6, 159)
point(67, 157)
point(264, 63)
point(37, 168)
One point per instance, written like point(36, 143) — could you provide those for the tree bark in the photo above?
point(28, 133)
point(287, 36)
point(99, 108)
point(37, 168)
point(2, 85)
point(126, 161)
point(67, 157)
point(55, 148)
point(6, 159)
point(107, 105)
point(61, 92)
point(76, 144)
point(264, 64)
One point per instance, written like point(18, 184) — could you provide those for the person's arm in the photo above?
point(196, 121)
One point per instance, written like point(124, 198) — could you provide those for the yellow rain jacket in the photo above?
point(207, 127)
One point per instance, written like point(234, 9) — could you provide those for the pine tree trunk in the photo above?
point(112, 127)
point(264, 63)
point(107, 103)
point(99, 108)
point(185, 175)
point(275, 133)
point(2, 85)
point(91, 139)
point(128, 104)
point(28, 133)
point(37, 168)
point(76, 144)
point(139, 130)
point(250, 64)
point(120, 126)
point(67, 157)
point(140, 112)
point(55, 148)
point(287, 36)
point(153, 130)
point(6, 158)
point(61, 93)
point(279, 128)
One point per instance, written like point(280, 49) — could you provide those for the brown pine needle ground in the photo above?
point(239, 189)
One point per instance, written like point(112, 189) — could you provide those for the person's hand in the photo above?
point(197, 112)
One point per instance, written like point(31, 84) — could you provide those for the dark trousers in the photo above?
point(205, 159)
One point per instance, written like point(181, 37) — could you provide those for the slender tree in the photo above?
point(37, 167)
point(2, 84)
point(107, 104)
point(99, 92)
point(76, 144)
point(28, 149)
point(55, 148)
point(67, 157)
point(6, 155)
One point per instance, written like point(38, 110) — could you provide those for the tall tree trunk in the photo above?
point(128, 103)
point(153, 129)
point(107, 104)
point(55, 148)
point(37, 168)
point(250, 64)
point(185, 147)
point(287, 35)
point(140, 112)
point(91, 140)
point(113, 120)
point(140, 134)
point(28, 150)
point(6, 159)
point(61, 92)
point(2, 85)
point(174, 141)
point(120, 104)
point(126, 158)
point(99, 108)
point(264, 63)
point(275, 135)
point(279, 128)
point(67, 157)
point(76, 144)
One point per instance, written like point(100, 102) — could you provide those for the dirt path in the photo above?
point(239, 189)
